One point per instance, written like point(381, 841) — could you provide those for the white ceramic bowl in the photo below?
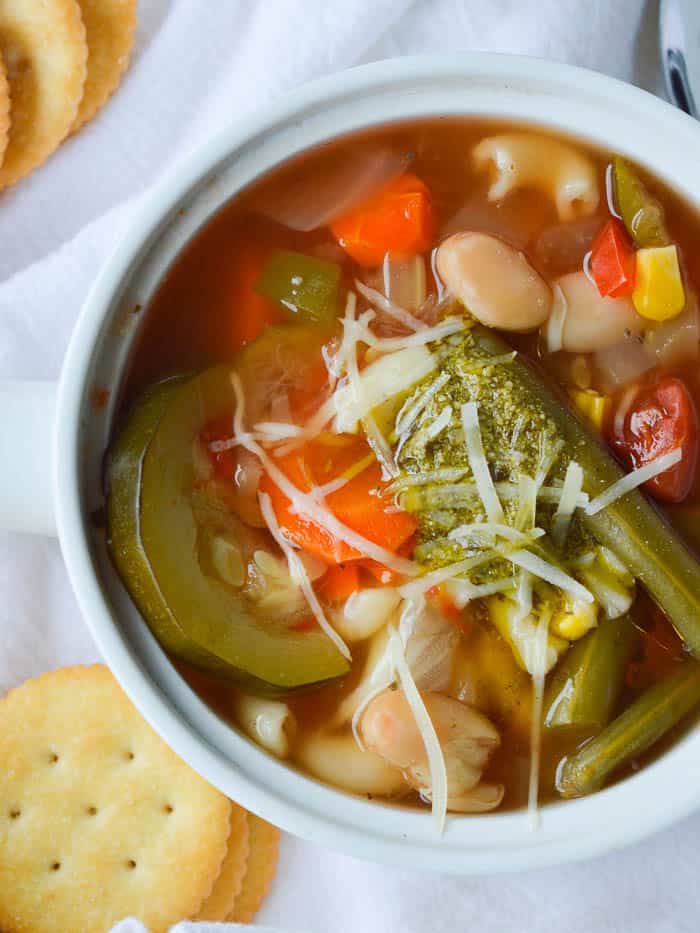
point(582, 103)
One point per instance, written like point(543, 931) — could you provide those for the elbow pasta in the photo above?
point(270, 723)
point(527, 160)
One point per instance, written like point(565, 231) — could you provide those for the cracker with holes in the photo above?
point(42, 43)
point(4, 110)
point(227, 886)
point(99, 819)
point(262, 864)
point(110, 27)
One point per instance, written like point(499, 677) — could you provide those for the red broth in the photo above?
point(206, 310)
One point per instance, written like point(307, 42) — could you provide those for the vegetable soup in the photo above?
point(405, 477)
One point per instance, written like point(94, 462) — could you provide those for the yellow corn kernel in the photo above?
point(575, 620)
point(658, 288)
point(592, 405)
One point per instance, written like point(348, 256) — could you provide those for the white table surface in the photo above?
point(197, 64)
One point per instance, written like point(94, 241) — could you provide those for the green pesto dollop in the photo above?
point(518, 439)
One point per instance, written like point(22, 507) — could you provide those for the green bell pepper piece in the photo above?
point(306, 286)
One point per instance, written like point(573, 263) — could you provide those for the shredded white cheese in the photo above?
point(539, 673)
point(442, 421)
point(447, 474)
point(554, 333)
point(573, 481)
point(541, 568)
point(388, 307)
point(462, 592)
point(466, 533)
point(632, 480)
point(420, 586)
point(444, 496)
point(299, 574)
point(623, 408)
point(447, 327)
point(609, 191)
point(305, 504)
point(548, 457)
point(523, 596)
point(409, 412)
point(433, 749)
point(527, 503)
point(383, 379)
point(478, 464)
point(271, 431)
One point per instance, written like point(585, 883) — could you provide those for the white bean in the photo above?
point(338, 760)
point(590, 322)
point(468, 739)
point(494, 281)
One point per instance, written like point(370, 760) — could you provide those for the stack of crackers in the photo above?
point(100, 820)
point(60, 60)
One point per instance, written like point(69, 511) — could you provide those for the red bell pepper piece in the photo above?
point(613, 260)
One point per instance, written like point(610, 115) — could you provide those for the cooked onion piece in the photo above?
point(494, 281)
point(587, 322)
point(527, 160)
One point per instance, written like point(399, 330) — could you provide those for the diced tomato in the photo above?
point(339, 582)
point(222, 461)
point(398, 219)
point(358, 504)
point(613, 260)
point(661, 418)
point(251, 313)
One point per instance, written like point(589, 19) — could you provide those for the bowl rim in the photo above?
point(327, 821)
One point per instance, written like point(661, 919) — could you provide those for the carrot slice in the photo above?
point(339, 582)
point(398, 219)
point(358, 504)
point(252, 312)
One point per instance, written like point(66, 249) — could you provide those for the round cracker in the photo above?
point(110, 26)
point(43, 46)
point(99, 819)
point(264, 842)
point(4, 109)
point(227, 886)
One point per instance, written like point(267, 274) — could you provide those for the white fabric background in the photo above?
point(198, 64)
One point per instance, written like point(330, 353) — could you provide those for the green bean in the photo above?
point(651, 715)
point(631, 527)
point(583, 689)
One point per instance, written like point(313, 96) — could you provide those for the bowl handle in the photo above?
point(27, 415)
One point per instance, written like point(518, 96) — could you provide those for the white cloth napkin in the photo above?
point(196, 66)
